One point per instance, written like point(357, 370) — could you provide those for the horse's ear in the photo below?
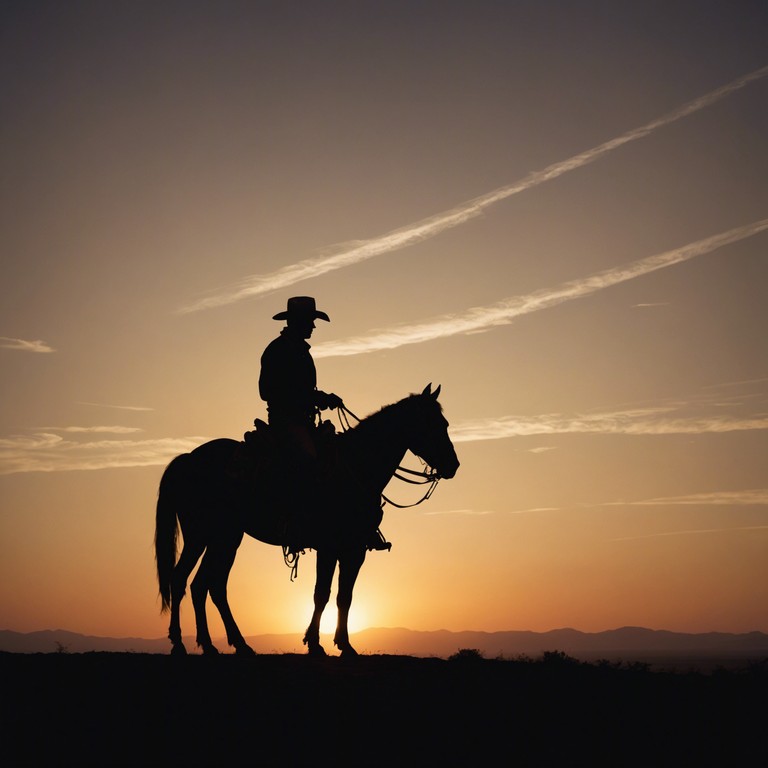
point(426, 390)
point(437, 391)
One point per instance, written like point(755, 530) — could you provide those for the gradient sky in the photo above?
point(557, 211)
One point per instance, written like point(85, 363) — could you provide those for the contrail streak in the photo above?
point(358, 251)
point(503, 312)
point(637, 423)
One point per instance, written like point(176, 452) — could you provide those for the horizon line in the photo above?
point(163, 638)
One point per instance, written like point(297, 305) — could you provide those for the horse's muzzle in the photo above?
point(446, 473)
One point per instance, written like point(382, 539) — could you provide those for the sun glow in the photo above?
point(356, 622)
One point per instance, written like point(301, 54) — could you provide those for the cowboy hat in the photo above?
point(301, 306)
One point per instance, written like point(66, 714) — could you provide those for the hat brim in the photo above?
point(316, 315)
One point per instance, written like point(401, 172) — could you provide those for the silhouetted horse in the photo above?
point(215, 503)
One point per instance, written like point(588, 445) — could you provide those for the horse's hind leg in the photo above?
point(223, 556)
point(349, 568)
point(190, 554)
point(199, 589)
point(326, 565)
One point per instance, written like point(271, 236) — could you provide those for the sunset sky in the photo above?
point(558, 211)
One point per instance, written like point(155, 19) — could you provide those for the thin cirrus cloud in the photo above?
point(751, 497)
point(111, 430)
point(358, 251)
point(24, 345)
point(48, 452)
point(647, 421)
point(505, 311)
point(757, 497)
point(693, 532)
point(462, 512)
point(118, 407)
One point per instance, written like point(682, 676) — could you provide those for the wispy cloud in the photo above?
point(47, 452)
point(504, 312)
point(462, 512)
point(693, 532)
point(750, 497)
point(25, 346)
point(757, 497)
point(358, 251)
point(112, 430)
point(534, 510)
point(740, 383)
point(118, 407)
point(649, 421)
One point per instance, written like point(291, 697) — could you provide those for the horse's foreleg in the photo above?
point(189, 556)
point(326, 565)
point(225, 552)
point(349, 568)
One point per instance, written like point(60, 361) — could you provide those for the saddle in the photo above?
point(293, 487)
point(304, 506)
point(262, 443)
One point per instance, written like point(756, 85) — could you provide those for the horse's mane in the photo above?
point(402, 408)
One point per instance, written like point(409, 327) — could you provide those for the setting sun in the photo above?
point(357, 617)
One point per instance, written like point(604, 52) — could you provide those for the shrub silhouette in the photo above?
point(559, 659)
point(466, 655)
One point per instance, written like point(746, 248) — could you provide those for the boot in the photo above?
point(376, 541)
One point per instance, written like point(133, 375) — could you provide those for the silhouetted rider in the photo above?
point(288, 379)
point(288, 384)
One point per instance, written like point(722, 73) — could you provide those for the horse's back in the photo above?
point(220, 447)
point(236, 480)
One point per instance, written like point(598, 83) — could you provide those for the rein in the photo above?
point(425, 477)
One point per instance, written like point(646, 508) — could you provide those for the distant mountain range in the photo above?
point(626, 643)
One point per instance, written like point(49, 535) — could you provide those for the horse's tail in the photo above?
point(167, 526)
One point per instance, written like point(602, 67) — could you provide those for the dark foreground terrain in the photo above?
point(133, 709)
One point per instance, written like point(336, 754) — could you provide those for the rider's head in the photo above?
point(301, 326)
point(300, 315)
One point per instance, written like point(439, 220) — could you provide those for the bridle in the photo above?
point(428, 476)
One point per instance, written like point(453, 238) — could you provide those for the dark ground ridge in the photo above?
point(136, 709)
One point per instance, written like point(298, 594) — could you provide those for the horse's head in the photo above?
point(428, 434)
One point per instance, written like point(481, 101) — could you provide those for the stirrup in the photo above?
point(291, 557)
point(378, 542)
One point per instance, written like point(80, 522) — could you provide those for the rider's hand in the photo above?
point(333, 401)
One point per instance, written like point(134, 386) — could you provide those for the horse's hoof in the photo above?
point(178, 649)
point(315, 649)
point(210, 650)
point(244, 650)
point(348, 652)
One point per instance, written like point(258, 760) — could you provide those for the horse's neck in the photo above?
point(376, 449)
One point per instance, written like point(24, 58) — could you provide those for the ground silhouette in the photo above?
point(123, 709)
